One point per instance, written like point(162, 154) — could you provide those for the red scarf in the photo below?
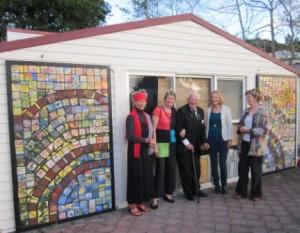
point(137, 131)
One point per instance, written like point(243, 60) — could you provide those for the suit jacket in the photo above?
point(195, 128)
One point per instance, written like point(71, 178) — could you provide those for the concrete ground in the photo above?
point(278, 212)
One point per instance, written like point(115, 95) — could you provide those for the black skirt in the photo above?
point(139, 176)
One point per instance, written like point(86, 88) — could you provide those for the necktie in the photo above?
point(195, 113)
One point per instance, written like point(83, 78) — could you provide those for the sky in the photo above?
point(116, 14)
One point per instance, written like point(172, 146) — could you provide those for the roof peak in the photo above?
point(107, 29)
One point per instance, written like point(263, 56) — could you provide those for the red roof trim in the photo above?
point(27, 31)
point(88, 32)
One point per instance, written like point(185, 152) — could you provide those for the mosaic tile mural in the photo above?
point(279, 99)
point(60, 136)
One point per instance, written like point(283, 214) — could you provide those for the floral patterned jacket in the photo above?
point(258, 132)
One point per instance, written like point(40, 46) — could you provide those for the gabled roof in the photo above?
point(96, 31)
point(27, 31)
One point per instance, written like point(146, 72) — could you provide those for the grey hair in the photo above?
point(193, 93)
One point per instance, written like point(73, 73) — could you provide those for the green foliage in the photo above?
point(52, 15)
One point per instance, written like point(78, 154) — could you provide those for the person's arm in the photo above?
point(155, 118)
point(181, 131)
point(203, 142)
point(202, 129)
point(229, 123)
point(241, 127)
point(180, 124)
point(130, 132)
point(154, 124)
point(229, 126)
point(262, 128)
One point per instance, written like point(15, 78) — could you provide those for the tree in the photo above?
point(142, 9)
point(235, 11)
point(290, 20)
point(52, 15)
point(269, 6)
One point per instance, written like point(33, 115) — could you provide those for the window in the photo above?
point(155, 86)
point(200, 84)
point(233, 92)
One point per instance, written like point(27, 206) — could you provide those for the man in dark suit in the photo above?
point(190, 127)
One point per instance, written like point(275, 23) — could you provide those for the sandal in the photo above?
point(134, 211)
point(143, 208)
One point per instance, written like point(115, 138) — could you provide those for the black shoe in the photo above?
point(224, 190)
point(170, 200)
point(217, 190)
point(154, 206)
point(202, 194)
point(190, 197)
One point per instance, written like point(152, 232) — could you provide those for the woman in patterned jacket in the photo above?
point(252, 147)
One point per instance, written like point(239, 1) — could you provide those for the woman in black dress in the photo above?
point(139, 173)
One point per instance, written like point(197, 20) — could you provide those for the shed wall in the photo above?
point(171, 49)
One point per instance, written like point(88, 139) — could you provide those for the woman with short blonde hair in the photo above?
point(219, 136)
point(163, 120)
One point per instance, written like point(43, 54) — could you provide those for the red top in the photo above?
point(164, 118)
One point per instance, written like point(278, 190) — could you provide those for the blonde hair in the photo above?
point(170, 93)
point(221, 98)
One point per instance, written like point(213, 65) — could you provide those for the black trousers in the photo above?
point(165, 176)
point(256, 176)
point(255, 164)
point(243, 170)
point(185, 165)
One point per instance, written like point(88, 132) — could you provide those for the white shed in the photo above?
point(46, 79)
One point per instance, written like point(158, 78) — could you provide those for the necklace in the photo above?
point(168, 114)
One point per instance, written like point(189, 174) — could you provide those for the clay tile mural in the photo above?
point(60, 140)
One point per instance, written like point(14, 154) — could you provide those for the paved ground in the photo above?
point(278, 212)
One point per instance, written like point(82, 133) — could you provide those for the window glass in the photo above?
point(184, 85)
point(232, 91)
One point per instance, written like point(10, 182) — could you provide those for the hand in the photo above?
point(229, 144)
point(147, 140)
point(152, 141)
point(190, 147)
point(243, 129)
point(182, 133)
point(205, 146)
point(151, 145)
point(155, 150)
